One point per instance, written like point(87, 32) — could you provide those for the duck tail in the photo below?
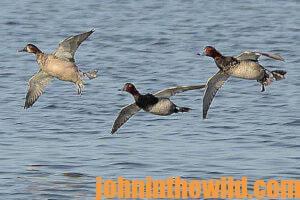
point(90, 74)
point(270, 76)
point(278, 74)
point(182, 109)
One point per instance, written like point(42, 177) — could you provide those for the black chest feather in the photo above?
point(227, 63)
point(146, 100)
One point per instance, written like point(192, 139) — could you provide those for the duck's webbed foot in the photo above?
point(79, 91)
point(266, 80)
point(262, 88)
point(80, 88)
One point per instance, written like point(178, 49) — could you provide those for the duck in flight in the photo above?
point(157, 103)
point(243, 66)
point(60, 64)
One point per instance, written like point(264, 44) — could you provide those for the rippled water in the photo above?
point(56, 149)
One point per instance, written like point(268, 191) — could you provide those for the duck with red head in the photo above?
point(212, 52)
point(244, 66)
point(130, 88)
point(150, 103)
point(157, 104)
point(60, 65)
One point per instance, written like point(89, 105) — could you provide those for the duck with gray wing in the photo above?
point(243, 66)
point(157, 104)
point(60, 64)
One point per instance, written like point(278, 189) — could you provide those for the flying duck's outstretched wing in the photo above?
point(37, 84)
point(212, 87)
point(67, 48)
point(124, 115)
point(174, 90)
point(248, 55)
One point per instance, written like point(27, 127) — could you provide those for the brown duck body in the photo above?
point(60, 64)
point(61, 69)
point(245, 66)
point(245, 69)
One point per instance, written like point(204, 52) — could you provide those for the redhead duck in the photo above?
point(157, 104)
point(60, 64)
point(243, 66)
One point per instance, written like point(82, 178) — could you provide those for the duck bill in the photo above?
point(121, 89)
point(201, 54)
point(22, 50)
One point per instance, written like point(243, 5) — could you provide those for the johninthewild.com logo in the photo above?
point(178, 188)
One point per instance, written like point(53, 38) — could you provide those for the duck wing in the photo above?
point(124, 116)
point(67, 48)
point(174, 90)
point(212, 87)
point(252, 55)
point(37, 84)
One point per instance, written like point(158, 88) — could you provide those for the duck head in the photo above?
point(30, 48)
point(211, 52)
point(130, 88)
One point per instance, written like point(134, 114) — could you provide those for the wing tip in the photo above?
point(274, 56)
point(204, 111)
point(26, 106)
point(277, 57)
point(203, 86)
point(113, 131)
point(281, 58)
